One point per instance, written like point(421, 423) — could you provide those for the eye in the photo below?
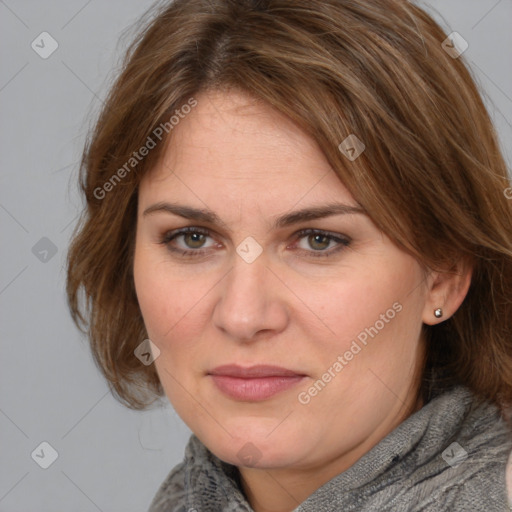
point(193, 241)
point(319, 241)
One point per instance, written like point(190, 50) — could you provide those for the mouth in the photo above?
point(255, 383)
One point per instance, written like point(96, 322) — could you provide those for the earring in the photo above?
point(438, 313)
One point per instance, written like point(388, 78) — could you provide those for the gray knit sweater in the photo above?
point(448, 456)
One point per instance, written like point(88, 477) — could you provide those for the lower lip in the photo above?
point(255, 389)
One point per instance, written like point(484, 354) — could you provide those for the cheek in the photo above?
point(381, 307)
point(163, 298)
point(171, 309)
point(168, 307)
point(176, 311)
point(152, 297)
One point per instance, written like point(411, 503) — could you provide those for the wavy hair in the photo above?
point(432, 176)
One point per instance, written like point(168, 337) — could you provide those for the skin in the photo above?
point(248, 164)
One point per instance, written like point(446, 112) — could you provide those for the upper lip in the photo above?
point(262, 370)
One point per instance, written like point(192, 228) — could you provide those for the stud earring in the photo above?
point(438, 313)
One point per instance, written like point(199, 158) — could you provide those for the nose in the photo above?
point(251, 302)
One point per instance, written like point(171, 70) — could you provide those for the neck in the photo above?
point(283, 490)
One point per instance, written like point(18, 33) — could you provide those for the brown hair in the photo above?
point(432, 176)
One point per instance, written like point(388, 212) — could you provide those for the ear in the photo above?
point(446, 290)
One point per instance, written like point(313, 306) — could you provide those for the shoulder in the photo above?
point(472, 469)
point(475, 483)
point(485, 472)
point(175, 489)
point(195, 482)
point(172, 488)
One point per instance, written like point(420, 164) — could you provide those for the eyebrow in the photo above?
point(207, 216)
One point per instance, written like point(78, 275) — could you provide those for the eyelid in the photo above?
point(313, 231)
point(168, 236)
point(342, 240)
point(210, 232)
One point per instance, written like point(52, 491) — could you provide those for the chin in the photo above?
point(253, 448)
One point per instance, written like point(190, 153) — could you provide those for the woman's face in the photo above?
point(328, 298)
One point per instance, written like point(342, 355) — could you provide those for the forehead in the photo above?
point(232, 145)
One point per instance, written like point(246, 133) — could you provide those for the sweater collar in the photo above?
point(409, 455)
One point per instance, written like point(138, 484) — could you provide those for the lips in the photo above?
point(258, 371)
point(254, 383)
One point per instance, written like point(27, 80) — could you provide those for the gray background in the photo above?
point(109, 457)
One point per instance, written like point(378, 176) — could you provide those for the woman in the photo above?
point(297, 229)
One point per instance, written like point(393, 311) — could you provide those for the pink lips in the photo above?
point(255, 383)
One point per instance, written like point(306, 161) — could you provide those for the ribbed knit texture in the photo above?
point(404, 472)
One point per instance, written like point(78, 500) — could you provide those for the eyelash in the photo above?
point(170, 236)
